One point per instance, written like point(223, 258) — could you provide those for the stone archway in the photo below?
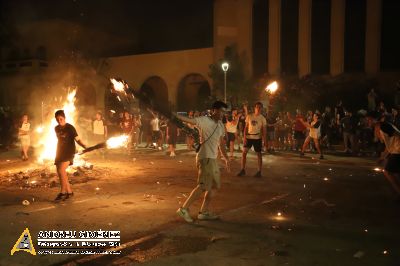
point(193, 93)
point(156, 90)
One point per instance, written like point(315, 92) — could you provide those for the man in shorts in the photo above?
point(390, 135)
point(212, 133)
point(253, 136)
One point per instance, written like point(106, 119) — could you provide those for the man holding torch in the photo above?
point(66, 135)
point(212, 135)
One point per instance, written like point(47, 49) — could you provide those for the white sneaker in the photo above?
point(207, 216)
point(184, 213)
point(172, 154)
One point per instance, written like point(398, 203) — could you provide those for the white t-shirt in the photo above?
point(206, 125)
point(155, 125)
point(231, 127)
point(255, 123)
point(98, 127)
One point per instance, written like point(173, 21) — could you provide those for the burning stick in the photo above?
point(111, 143)
point(123, 91)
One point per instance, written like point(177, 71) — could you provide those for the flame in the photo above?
point(272, 87)
point(116, 142)
point(48, 138)
point(39, 129)
point(118, 85)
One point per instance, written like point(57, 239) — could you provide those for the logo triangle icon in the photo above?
point(24, 243)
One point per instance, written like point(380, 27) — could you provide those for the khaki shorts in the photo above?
point(208, 174)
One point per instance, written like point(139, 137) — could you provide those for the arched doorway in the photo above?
point(193, 93)
point(156, 91)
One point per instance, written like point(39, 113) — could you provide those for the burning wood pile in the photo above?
point(44, 177)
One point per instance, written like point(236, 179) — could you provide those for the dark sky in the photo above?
point(152, 25)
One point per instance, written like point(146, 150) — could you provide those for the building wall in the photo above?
point(172, 67)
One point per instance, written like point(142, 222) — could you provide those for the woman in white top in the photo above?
point(24, 137)
point(231, 130)
point(314, 134)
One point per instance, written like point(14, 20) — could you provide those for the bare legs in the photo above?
point(62, 174)
point(316, 142)
point(195, 194)
point(25, 149)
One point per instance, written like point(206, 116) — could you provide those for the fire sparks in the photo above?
point(116, 142)
point(118, 85)
point(272, 87)
point(48, 138)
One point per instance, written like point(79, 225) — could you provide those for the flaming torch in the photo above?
point(111, 143)
point(124, 92)
point(272, 88)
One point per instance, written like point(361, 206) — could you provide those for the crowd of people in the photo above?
point(302, 132)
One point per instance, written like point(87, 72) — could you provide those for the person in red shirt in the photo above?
point(299, 130)
point(127, 127)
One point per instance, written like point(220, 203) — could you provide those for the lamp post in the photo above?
point(225, 67)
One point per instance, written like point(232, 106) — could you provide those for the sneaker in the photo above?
point(69, 195)
point(60, 197)
point(207, 216)
point(321, 157)
point(242, 173)
point(172, 154)
point(184, 213)
point(258, 174)
point(301, 153)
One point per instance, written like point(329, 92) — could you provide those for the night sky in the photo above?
point(151, 25)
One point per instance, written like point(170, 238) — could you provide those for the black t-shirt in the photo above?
point(66, 142)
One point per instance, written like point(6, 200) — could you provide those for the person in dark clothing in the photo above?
point(349, 125)
point(66, 135)
point(172, 135)
point(327, 127)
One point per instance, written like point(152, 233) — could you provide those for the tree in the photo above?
point(238, 87)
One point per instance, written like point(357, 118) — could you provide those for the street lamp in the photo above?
point(225, 67)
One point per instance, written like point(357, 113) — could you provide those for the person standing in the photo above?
point(299, 130)
point(172, 135)
point(127, 127)
point(24, 137)
point(67, 136)
point(156, 132)
point(212, 137)
point(231, 131)
point(136, 126)
point(99, 130)
point(254, 135)
point(314, 134)
point(372, 100)
point(349, 125)
point(390, 135)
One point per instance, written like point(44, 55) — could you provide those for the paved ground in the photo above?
point(337, 211)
